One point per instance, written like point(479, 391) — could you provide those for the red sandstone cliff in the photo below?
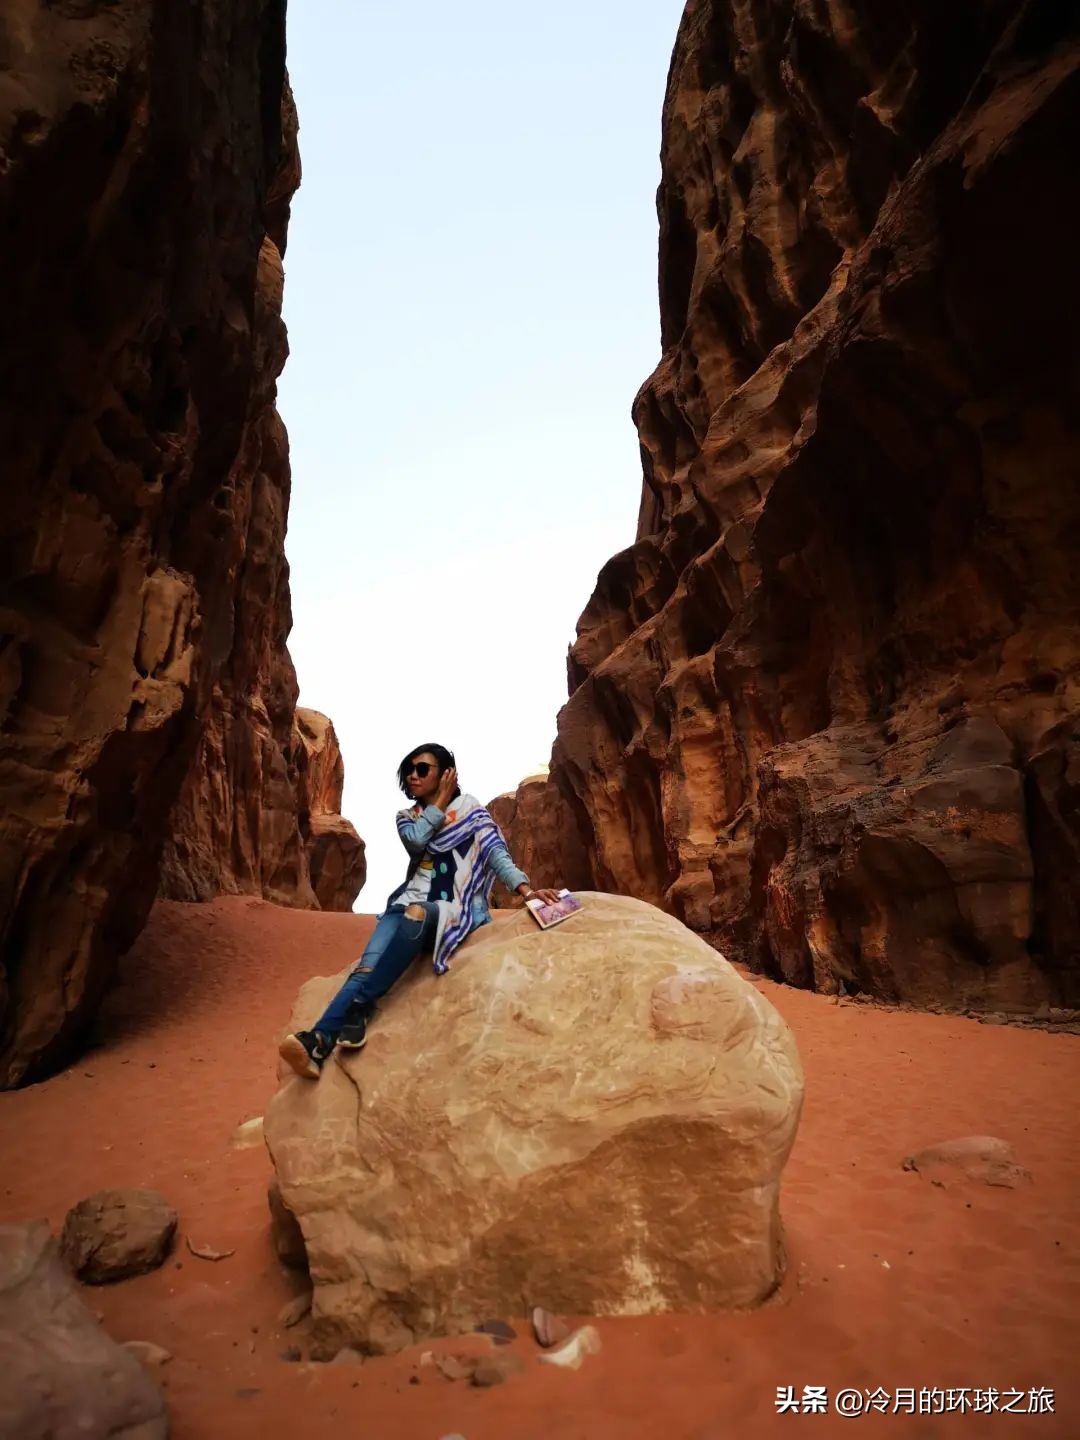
point(542, 838)
point(827, 707)
point(259, 811)
point(147, 157)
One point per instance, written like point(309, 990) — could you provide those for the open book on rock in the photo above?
point(554, 914)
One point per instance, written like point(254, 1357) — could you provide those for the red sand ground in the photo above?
point(892, 1281)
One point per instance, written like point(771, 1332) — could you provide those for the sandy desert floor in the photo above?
point(893, 1282)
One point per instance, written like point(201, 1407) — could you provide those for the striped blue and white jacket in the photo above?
point(455, 857)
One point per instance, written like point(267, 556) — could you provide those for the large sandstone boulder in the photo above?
point(592, 1118)
point(61, 1376)
point(825, 708)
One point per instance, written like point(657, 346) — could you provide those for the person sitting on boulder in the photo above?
point(456, 853)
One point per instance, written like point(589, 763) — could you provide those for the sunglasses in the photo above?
point(420, 769)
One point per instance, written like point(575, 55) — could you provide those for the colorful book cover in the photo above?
point(554, 914)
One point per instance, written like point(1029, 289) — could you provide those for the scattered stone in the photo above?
point(294, 1311)
point(499, 1330)
point(456, 1367)
point(347, 1356)
point(62, 1374)
point(248, 1135)
point(495, 1369)
point(548, 1328)
point(571, 1353)
point(116, 1233)
point(983, 1158)
point(153, 1356)
point(414, 1379)
point(292, 1353)
point(206, 1253)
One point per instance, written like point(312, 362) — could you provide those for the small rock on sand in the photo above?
point(983, 1158)
point(456, 1367)
point(495, 1369)
point(347, 1356)
point(147, 1353)
point(206, 1252)
point(549, 1329)
point(294, 1310)
point(499, 1330)
point(116, 1233)
point(247, 1135)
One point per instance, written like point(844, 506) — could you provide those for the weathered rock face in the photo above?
point(60, 1373)
point(827, 707)
point(542, 836)
point(148, 156)
point(259, 811)
point(592, 1118)
point(335, 853)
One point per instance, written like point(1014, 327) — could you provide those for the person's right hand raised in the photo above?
point(447, 788)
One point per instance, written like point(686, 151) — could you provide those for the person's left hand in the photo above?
point(549, 897)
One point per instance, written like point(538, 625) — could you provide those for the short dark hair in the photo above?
point(444, 756)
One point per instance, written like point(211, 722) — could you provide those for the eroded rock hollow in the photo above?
point(147, 158)
point(826, 708)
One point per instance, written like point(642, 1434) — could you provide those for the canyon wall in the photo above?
point(147, 158)
point(826, 708)
point(259, 811)
point(542, 838)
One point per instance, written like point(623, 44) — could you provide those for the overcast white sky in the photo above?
point(471, 302)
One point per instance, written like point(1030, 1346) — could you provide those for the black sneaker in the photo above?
point(353, 1034)
point(306, 1052)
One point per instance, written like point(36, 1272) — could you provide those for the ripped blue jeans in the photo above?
point(394, 945)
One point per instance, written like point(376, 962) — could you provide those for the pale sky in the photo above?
point(471, 302)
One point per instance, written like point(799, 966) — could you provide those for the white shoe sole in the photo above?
point(351, 1046)
point(297, 1058)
